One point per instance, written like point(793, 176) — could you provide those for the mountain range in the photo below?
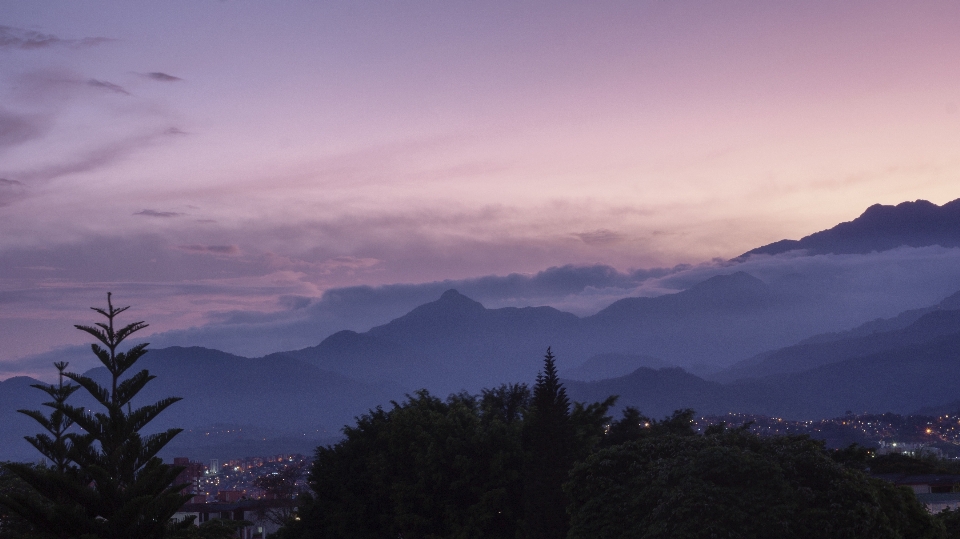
point(774, 347)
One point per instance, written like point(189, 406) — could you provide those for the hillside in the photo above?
point(802, 357)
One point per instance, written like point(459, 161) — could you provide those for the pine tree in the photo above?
point(106, 481)
point(548, 443)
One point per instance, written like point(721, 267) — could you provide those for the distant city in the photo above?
point(236, 479)
point(228, 481)
point(888, 433)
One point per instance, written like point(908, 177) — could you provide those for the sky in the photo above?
point(213, 160)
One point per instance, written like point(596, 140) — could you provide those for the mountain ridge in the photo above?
point(879, 228)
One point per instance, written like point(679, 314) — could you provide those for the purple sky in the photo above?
point(203, 159)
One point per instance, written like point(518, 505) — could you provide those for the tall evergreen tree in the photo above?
point(49, 506)
point(105, 482)
point(549, 445)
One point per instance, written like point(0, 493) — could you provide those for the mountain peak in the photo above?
point(919, 223)
point(450, 304)
point(452, 295)
point(453, 299)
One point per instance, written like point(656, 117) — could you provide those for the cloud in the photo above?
point(16, 129)
point(831, 292)
point(108, 86)
point(107, 154)
point(162, 77)
point(19, 38)
point(155, 213)
point(11, 191)
point(599, 237)
point(212, 249)
point(40, 366)
point(346, 262)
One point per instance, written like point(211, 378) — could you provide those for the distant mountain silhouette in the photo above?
point(291, 396)
point(902, 364)
point(912, 327)
point(718, 320)
point(880, 228)
point(603, 366)
point(447, 345)
point(288, 396)
point(902, 380)
point(16, 394)
point(658, 392)
point(455, 343)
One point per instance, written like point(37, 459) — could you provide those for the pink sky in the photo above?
point(205, 157)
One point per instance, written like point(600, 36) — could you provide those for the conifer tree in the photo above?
point(57, 483)
point(549, 445)
point(105, 481)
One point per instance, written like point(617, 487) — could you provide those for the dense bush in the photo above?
point(731, 483)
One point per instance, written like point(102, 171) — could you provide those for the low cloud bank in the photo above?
point(279, 311)
point(848, 289)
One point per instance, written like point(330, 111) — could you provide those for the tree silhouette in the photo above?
point(549, 445)
point(105, 481)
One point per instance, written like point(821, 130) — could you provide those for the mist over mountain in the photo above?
point(902, 364)
point(899, 380)
point(456, 343)
point(888, 260)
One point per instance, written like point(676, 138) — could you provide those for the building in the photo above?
point(190, 476)
point(936, 491)
point(257, 512)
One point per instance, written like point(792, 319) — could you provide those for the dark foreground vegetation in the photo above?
point(511, 462)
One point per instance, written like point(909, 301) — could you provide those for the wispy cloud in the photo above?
point(107, 86)
point(103, 156)
point(155, 213)
point(600, 237)
point(162, 77)
point(20, 38)
point(212, 249)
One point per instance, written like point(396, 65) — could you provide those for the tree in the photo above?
point(732, 483)
point(105, 480)
point(455, 468)
point(46, 513)
point(549, 444)
point(425, 468)
point(950, 520)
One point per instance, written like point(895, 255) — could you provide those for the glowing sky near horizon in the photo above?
point(209, 156)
